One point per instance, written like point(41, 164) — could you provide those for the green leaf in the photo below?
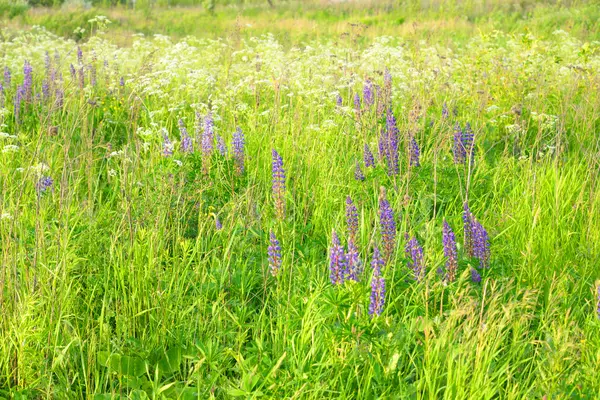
point(235, 392)
point(171, 361)
point(102, 358)
point(132, 366)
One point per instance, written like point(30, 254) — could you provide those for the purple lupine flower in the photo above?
point(368, 97)
point(274, 252)
point(238, 150)
point(45, 89)
point(377, 299)
point(218, 224)
point(467, 141)
point(167, 146)
point(481, 244)
point(73, 72)
point(79, 55)
point(278, 184)
point(27, 80)
point(445, 112)
point(354, 265)
point(368, 158)
point(351, 219)
point(358, 174)
point(208, 140)
point(450, 252)
point(414, 253)
point(221, 146)
point(338, 100)
point(59, 95)
point(468, 229)
point(475, 276)
point(1, 96)
point(414, 153)
point(458, 150)
point(357, 103)
point(18, 100)
point(208, 135)
point(6, 77)
point(44, 184)
point(186, 140)
point(388, 228)
point(337, 261)
point(392, 144)
point(122, 81)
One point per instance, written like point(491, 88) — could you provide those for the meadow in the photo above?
point(324, 202)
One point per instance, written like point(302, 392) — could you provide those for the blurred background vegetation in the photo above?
point(293, 21)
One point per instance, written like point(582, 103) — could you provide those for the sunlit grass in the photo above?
point(117, 282)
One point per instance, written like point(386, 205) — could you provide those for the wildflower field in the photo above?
point(356, 210)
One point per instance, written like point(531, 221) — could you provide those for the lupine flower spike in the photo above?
point(218, 224)
point(388, 226)
point(368, 158)
point(167, 146)
point(186, 140)
point(357, 105)
point(481, 244)
point(450, 252)
point(414, 253)
point(475, 276)
point(278, 184)
point(338, 100)
point(458, 150)
point(7, 77)
point(274, 252)
point(207, 142)
point(391, 148)
point(445, 112)
point(467, 141)
point(44, 184)
point(354, 266)
point(368, 96)
point(351, 219)
point(221, 146)
point(414, 153)
point(477, 241)
point(377, 299)
point(337, 261)
point(28, 80)
point(358, 174)
point(238, 151)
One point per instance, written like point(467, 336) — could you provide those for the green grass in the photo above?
point(116, 283)
point(294, 22)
